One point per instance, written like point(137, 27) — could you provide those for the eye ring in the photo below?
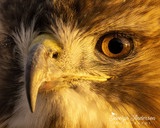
point(116, 46)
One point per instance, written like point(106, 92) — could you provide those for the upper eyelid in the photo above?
point(124, 33)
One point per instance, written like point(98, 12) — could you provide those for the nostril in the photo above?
point(55, 55)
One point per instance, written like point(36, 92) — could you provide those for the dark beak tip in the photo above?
point(32, 109)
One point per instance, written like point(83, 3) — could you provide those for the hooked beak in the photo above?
point(41, 48)
point(41, 73)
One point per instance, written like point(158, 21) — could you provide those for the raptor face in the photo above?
point(79, 64)
point(43, 69)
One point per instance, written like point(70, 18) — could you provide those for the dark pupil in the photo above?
point(115, 46)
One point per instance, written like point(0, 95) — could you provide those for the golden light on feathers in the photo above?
point(79, 64)
point(39, 73)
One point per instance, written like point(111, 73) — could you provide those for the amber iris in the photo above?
point(116, 46)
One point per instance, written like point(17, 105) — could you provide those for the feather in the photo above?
point(130, 95)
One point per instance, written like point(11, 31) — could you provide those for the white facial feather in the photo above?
point(78, 108)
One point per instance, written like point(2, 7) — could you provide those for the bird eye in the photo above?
point(116, 46)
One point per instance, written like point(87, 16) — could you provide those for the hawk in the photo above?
point(79, 63)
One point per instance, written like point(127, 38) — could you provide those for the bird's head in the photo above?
point(53, 66)
point(79, 63)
